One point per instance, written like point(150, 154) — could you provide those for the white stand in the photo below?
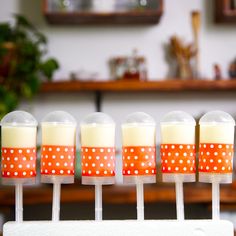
point(121, 227)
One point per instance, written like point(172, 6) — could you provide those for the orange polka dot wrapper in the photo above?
point(178, 158)
point(98, 161)
point(139, 160)
point(18, 162)
point(216, 158)
point(57, 160)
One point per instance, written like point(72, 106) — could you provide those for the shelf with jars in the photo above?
point(102, 12)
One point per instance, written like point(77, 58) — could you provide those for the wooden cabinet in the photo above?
point(225, 11)
point(89, 15)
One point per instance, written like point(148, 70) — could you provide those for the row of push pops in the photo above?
point(97, 136)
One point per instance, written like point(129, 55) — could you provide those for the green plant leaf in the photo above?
point(48, 67)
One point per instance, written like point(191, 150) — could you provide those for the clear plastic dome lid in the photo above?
point(216, 117)
point(19, 118)
point(59, 117)
point(97, 118)
point(178, 118)
point(139, 118)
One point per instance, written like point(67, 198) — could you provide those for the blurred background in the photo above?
point(118, 57)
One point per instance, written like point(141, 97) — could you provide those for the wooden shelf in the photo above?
point(80, 18)
point(224, 13)
point(193, 193)
point(122, 85)
point(144, 16)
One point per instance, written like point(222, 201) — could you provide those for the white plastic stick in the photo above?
point(215, 201)
point(19, 202)
point(98, 202)
point(140, 201)
point(179, 200)
point(56, 201)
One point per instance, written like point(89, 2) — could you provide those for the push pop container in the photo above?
point(58, 148)
point(178, 147)
point(139, 149)
point(98, 149)
point(216, 147)
point(19, 130)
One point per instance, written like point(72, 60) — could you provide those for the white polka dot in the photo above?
point(11, 151)
point(200, 145)
point(132, 164)
point(219, 160)
point(169, 154)
point(153, 171)
point(111, 157)
point(65, 164)
point(66, 149)
point(105, 172)
point(58, 149)
point(131, 150)
point(128, 157)
point(172, 161)
point(136, 172)
point(3, 158)
point(128, 171)
point(24, 173)
point(136, 157)
point(101, 150)
point(201, 153)
point(201, 167)
point(93, 150)
point(49, 163)
point(146, 157)
point(5, 151)
point(191, 169)
point(188, 147)
point(152, 157)
point(16, 158)
point(211, 160)
point(146, 171)
point(83, 157)
point(28, 165)
point(108, 164)
point(15, 173)
point(219, 146)
point(211, 146)
point(191, 154)
point(188, 161)
point(169, 168)
point(109, 150)
point(142, 164)
point(150, 163)
point(57, 164)
point(180, 161)
point(184, 168)
point(43, 163)
point(207, 167)
point(89, 172)
point(215, 168)
point(62, 157)
point(166, 146)
point(223, 153)
point(31, 158)
point(176, 168)
point(89, 157)
point(33, 150)
point(181, 146)
point(177, 154)
point(208, 153)
point(227, 146)
point(149, 149)
point(215, 153)
point(8, 158)
point(61, 171)
point(204, 145)
point(8, 173)
point(11, 166)
point(46, 156)
point(230, 153)
point(125, 150)
point(173, 146)
point(163, 168)
point(142, 149)
point(105, 157)
point(50, 149)
point(163, 154)
point(229, 168)
point(20, 151)
point(126, 164)
point(86, 149)
point(20, 166)
point(68, 171)
point(185, 154)
point(97, 157)
point(166, 161)
point(53, 171)
point(223, 168)
point(101, 164)
point(97, 172)
point(226, 160)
